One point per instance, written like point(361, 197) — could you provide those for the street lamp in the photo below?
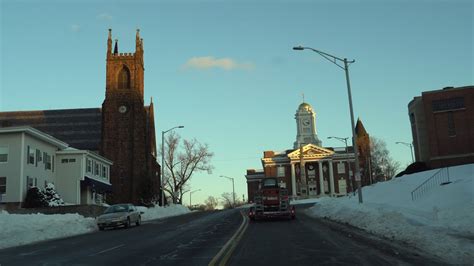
point(348, 163)
point(336, 60)
point(233, 191)
point(163, 162)
point(190, 194)
point(411, 148)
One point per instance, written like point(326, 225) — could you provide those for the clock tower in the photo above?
point(127, 126)
point(306, 126)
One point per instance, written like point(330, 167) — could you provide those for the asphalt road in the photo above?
point(192, 239)
point(310, 241)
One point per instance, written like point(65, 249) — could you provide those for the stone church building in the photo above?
point(309, 169)
point(122, 131)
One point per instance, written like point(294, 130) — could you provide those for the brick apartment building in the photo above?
point(442, 124)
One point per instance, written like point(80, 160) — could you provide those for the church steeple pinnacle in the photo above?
point(137, 41)
point(116, 47)
point(109, 43)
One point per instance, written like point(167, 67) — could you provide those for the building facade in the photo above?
point(310, 170)
point(123, 130)
point(29, 157)
point(442, 124)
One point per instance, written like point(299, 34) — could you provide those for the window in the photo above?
point(29, 182)
point(89, 166)
point(47, 161)
point(341, 168)
point(63, 160)
point(3, 154)
point(451, 126)
point(447, 104)
point(104, 170)
point(38, 157)
point(280, 171)
point(124, 78)
point(31, 155)
point(72, 160)
point(96, 168)
point(3, 185)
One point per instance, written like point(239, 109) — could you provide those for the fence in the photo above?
point(440, 177)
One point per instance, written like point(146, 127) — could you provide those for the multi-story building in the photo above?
point(29, 157)
point(442, 124)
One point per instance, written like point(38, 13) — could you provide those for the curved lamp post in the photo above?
point(163, 162)
point(336, 60)
point(344, 140)
point(411, 148)
point(233, 191)
point(190, 194)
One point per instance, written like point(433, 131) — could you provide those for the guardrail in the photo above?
point(440, 177)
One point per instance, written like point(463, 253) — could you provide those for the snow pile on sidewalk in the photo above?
point(440, 222)
point(20, 229)
point(159, 212)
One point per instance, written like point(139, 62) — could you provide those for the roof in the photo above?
point(360, 129)
point(37, 134)
point(305, 107)
point(85, 152)
point(80, 128)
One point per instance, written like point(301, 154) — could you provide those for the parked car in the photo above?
point(119, 215)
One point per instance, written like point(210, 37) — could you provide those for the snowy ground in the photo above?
point(20, 229)
point(441, 222)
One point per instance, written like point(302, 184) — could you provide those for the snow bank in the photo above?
point(20, 229)
point(160, 212)
point(440, 222)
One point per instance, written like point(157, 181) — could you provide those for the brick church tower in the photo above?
point(128, 134)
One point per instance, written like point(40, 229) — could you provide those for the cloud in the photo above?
point(75, 27)
point(207, 62)
point(105, 16)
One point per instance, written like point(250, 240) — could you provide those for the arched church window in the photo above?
point(124, 78)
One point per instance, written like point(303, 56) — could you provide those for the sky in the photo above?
point(226, 71)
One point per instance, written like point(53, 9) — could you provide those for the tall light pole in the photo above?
point(190, 194)
point(233, 191)
point(163, 163)
point(348, 163)
point(336, 60)
point(411, 148)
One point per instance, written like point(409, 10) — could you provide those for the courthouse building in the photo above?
point(309, 169)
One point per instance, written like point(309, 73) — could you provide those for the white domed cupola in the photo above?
point(306, 126)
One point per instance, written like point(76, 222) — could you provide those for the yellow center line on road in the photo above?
point(229, 247)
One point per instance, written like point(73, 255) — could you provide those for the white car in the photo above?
point(119, 215)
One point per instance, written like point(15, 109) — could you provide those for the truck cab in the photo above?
point(271, 200)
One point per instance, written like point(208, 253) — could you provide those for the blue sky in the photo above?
point(226, 71)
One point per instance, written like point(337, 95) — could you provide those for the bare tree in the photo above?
point(228, 200)
point(211, 203)
point(181, 164)
point(383, 165)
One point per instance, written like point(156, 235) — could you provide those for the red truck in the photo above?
point(271, 201)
